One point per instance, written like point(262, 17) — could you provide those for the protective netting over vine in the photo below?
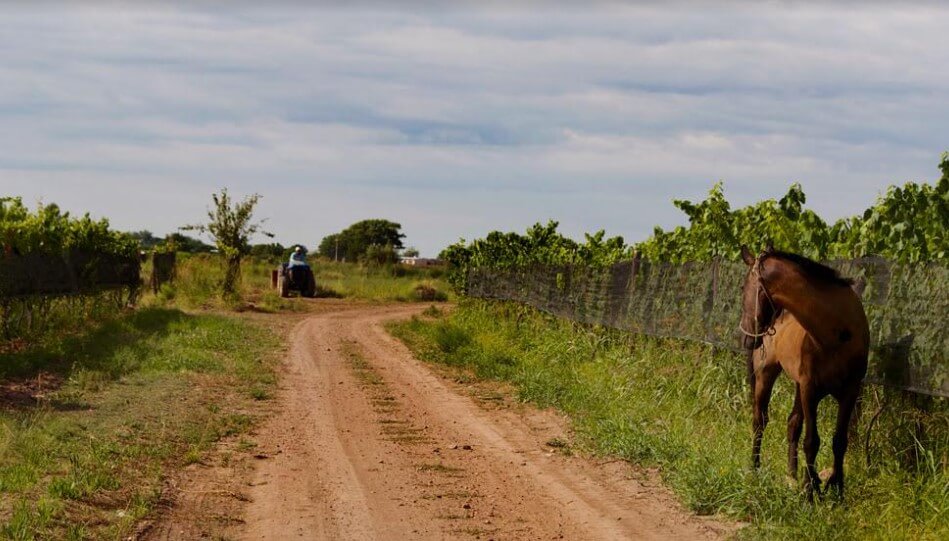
point(906, 306)
point(41, 292)
point(77, 272)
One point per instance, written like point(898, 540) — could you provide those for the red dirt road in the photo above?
point(369, 443)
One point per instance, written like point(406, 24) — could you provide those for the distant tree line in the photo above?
point(177, 241)
point(374, 241)
point(183, 243)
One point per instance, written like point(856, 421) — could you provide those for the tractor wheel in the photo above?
point(310, 289)
point(283, 286)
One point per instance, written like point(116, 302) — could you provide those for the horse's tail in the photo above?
point(751, 373)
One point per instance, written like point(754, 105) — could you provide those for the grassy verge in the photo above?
point(684, 408)
point(84, 455)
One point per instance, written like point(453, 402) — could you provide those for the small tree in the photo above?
point(231, 227)
point(411, 251)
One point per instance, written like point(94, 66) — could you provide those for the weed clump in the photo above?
point(427, 293)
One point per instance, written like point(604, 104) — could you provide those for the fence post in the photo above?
point(163, 269)
point(709, 306)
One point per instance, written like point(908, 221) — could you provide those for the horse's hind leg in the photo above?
point(809, 401)
point(795, 424)
point(846, 404)
point(764, 383)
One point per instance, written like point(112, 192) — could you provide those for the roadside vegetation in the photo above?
point(683, 408)
point(94, 422)
point(398, 283)
point(197, 286)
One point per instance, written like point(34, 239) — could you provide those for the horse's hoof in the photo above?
point(812, 488)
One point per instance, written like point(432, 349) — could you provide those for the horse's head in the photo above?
point(757, 308)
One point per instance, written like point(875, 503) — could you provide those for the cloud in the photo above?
point(458, 121)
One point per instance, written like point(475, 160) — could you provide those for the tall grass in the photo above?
point(381, 283)
point(684, 408)
point(198, 285)
point(199, 278)
point(32, 320)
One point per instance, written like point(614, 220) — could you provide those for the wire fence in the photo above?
point(39, 292)
point(73, 273)
point(906, 306)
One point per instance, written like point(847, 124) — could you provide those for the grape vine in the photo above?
point(50, 230)
point(907, 224)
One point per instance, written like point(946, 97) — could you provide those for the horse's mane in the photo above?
point(813, 269)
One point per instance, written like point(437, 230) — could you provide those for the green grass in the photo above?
point(141, 395)
point(28, 320)
point(684, 408)
point(402, 284)
point(197, 285)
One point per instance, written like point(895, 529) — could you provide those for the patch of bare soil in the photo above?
point(28, 392)
point(366, 442)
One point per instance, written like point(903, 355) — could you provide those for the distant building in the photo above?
point(420, 261)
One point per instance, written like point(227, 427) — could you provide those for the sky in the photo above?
point(456, 121)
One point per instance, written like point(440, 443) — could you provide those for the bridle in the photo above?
point(769, 330)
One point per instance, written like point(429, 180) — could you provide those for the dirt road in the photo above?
point(369, 443)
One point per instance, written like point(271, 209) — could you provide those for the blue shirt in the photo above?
point(298, 259)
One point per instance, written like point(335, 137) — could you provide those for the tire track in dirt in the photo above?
point(370, 444)
point(323, 480)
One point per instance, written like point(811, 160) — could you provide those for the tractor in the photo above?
point(297, 278)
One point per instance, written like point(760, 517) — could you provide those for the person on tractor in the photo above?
point(298, 273)
point(298, 258)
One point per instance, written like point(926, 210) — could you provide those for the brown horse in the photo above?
point(803, 318)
